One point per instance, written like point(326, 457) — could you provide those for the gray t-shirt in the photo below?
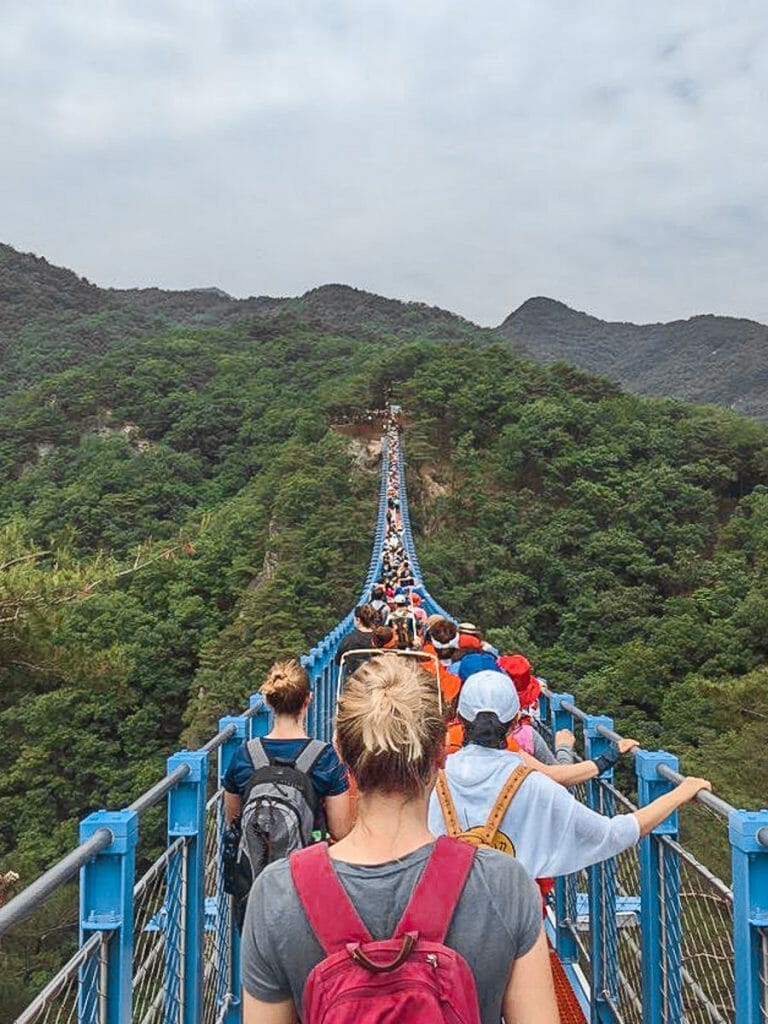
point(498, 919)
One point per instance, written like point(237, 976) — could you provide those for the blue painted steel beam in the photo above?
point(659, 899)
point(749, 865)
point(106, 905)
point(186, 818)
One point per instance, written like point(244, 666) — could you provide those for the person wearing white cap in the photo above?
point(546, 827)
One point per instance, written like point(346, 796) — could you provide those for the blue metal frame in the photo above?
point(186, 817)
point(565, 886)
point(106, 904)
point(659, 898)
point(749, 864)
point(604, 942)
point(241, 725)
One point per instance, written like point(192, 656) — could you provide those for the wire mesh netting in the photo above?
point(217, 951)
point(764, 974)
point(159, 934)
point(706, 924)
point(77, 995)
point(695, 923)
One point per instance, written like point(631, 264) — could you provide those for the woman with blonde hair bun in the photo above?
point(479, 911)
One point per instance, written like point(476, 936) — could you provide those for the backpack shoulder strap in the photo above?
point(309, 756)
point(447, 806)
point(434, 900)
point(329, 910)
point(258, 755)
point(503, 800)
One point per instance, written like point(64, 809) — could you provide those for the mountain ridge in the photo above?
point(706, 358)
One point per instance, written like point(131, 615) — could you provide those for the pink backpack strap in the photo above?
point(434, 900)
point(329, 910)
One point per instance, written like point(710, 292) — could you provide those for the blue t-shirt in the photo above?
point(328, 776)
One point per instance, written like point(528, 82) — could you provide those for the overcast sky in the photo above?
point(609, 153)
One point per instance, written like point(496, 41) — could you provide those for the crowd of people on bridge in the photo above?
point(444, 806)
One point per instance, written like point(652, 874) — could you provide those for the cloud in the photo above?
point(611, 156)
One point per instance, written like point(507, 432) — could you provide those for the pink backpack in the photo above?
point(411, 977)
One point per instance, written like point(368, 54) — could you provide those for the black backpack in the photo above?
point(279, 812)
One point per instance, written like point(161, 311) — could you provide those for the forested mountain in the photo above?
point(51, 319)
point(716, 359)
point(176, 512)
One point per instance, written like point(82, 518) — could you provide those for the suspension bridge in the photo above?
point(649, 937)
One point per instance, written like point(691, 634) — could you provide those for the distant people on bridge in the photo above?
point(340, 902)
point(279, 789)
point(549, 831)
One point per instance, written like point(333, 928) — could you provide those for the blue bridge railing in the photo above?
point(649, 937)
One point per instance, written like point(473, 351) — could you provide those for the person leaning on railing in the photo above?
point(390, 735)
point(549, 830)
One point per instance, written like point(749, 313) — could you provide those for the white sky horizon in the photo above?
point(613, 158)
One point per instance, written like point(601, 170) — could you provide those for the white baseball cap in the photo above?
point(488, 691)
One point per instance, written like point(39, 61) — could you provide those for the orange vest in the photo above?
point(450, 684)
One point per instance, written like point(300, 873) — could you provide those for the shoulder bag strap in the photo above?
point(329, 910)
point(503, 800)
point(433, 903)
point(258, 755)
point(447, 806)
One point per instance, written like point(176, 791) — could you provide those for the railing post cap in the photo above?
point(744, 828)
point(556, 700)
point(197, 761)
point(647, 761)
point(240, 723)
point(124, 826)
point(591, 722)
point(256, 700)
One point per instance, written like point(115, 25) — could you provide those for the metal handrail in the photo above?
point(709, 800)
point(160, 789)
point(28, 901)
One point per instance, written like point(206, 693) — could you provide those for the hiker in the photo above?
point(305, 775)
point(470, 629)
point(548, 830)
point(379, 603)
point(359, 638)
point(390, 736)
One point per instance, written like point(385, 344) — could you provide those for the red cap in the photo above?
point(416, 599)
point(518, 668)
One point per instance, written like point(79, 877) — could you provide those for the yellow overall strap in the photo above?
point(447, 806)
point(503, 800)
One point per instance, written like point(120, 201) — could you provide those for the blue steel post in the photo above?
point(565, 886)
point(603, 934)
point(261, 720)
point(186, 817)
point(106, 904)
point(231, 969)
point(749, 862)
point(659, 899)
